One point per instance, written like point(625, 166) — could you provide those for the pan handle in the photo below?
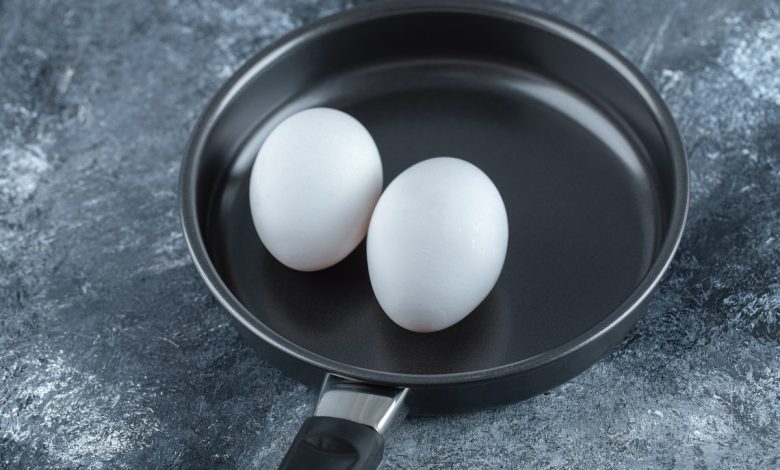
point(348, 428)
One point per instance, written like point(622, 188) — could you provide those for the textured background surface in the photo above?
point(114, 355)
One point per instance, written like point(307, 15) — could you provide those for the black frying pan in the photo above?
point(583, 151)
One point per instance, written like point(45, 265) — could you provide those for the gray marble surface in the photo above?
point(114, 355)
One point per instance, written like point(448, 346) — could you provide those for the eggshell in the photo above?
point(436, 243)
point(313, 187)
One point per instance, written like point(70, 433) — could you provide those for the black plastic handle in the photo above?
point(334, 444)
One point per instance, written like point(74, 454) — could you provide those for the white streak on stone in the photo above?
point(21, 169)
point(755, 60)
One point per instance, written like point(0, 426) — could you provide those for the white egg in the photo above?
point(436, 243)
point(313, 187)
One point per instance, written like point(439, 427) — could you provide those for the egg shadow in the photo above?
point(479, 339)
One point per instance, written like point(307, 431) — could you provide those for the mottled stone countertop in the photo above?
point(113, 354)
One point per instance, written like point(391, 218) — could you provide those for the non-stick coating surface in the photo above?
point(579, 157)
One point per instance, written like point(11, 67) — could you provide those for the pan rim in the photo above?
point(590, 44)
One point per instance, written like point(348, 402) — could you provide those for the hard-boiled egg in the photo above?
point(313, 187)
point(436, 243)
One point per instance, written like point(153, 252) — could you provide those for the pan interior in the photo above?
point(580, 184)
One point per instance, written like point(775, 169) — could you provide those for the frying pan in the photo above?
point(585, 154)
